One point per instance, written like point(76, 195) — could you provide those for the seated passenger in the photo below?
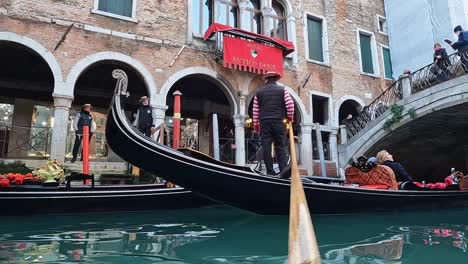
point(385, 158)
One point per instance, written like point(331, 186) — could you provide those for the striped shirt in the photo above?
point(288, 102)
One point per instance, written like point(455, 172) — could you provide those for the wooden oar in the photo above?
point(302, 241)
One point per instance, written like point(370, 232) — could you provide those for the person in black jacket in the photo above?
point(461, 45)
point(81, 119)
point(441, 63)
point(273, 103)
point(144, 117)
point(385, 158)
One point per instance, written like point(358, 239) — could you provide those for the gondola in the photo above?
point(27, 200)
point(247, 189)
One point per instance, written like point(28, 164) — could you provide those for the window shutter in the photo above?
point(387, 63)
point(315, 36)
point(118, 7)
point(366, 54)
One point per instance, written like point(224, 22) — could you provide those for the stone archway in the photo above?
point(86, 62)
point(347, 104)
point(215, 76)
point(29, 76)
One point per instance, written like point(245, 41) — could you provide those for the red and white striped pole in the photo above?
point(86, 151)
point(177, 116)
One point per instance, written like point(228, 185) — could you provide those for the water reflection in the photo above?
point(224, 235)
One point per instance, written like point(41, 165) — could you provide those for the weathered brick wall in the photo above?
point(166, 22)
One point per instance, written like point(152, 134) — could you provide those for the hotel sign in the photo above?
point(250, 56)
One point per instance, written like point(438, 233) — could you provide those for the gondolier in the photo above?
point(83, 118)
point(144, 117)
point(272, 103)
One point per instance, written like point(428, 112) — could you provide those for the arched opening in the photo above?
point(26, 113)
point(95, 86)
point(348, 107)
point(202, 96)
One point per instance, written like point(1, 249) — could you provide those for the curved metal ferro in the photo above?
point(122, 82)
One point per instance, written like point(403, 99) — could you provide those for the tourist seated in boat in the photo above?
point(367, 174)
point(386, 159)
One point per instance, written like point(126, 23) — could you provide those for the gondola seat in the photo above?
point(378, 175)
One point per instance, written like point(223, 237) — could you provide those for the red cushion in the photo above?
point(379, 175)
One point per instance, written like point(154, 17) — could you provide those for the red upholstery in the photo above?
point(379, 175)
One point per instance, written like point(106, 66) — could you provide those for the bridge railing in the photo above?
point(375, 109)
point(440, 71)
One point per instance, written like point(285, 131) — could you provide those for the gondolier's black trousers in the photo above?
point(145, 130)
point(76, 146)
point(274, 131)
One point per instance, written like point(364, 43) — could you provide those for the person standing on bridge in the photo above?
point(441, 63)
point(272, 103)
point(144, 117)
point(461, 45)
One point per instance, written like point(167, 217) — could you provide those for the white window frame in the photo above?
point(375, 57)
point(95, 10)
point(382, 47)
point(329, 119)
point(380, 18)
point(326, 51)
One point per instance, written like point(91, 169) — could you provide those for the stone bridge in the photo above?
point(431, 135)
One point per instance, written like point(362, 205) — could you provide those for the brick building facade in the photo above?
point(78, 41)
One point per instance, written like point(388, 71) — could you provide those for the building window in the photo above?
point(122, 9)
point(253, 17)
point(226, 12)
point(278, 21)
point(315, 38)
point(368, 53)
point(382, 24)
point(387, 63)
point(202, 15)
point(320, 109)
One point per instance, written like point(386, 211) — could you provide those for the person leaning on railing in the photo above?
point(441, 63)
point(461, 45)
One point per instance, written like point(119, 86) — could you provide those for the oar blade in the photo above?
point(303, 246)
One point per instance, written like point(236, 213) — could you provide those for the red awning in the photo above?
point(286, 46)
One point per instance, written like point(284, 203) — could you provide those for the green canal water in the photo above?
point(224, 235)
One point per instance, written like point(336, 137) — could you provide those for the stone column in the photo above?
point(343, 135)
point(307, 158)
point(239, 124)
point(62, 104)
point(20, 134)
point(405, 83)
point(267, 25)
point(334, 145)
point(242, 13)
point(159, 114)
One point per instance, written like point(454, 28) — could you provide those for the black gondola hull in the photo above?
point(38, 200)
point(250, 191)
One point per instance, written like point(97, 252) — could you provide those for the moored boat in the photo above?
point(84, 199)
point(245, 188)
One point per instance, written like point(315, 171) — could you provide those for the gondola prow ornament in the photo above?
point(302, 246)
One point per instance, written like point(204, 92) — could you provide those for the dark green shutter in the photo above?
point(366, 54)
point(387, 63)
point(118, 7)
point(315, 35)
